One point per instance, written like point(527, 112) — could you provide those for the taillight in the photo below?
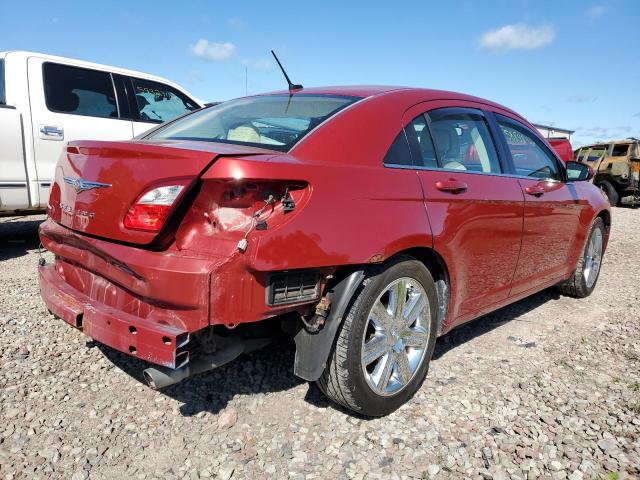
point(152, 208)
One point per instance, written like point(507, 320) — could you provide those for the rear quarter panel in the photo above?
point(353, 214)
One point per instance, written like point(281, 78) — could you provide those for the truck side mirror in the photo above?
point(579, 172)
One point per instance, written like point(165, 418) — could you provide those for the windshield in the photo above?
point(276, 122)
point(3, 99)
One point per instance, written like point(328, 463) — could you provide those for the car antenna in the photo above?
point(292, 86)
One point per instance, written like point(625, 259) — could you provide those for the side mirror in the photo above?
point(579, 172)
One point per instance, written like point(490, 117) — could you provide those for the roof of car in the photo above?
point(609, 142)
point(426, 94)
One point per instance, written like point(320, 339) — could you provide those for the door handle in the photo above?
point(451, 186)
point(51, 132)
point(534, 190)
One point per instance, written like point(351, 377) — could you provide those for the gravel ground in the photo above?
point(546, 388)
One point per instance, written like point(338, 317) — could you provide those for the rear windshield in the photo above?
point(3, 99)
point(276, 122)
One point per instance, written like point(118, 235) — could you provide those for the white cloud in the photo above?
point(518, 36)
point(259, 64)
point(212, 51)
point(596, 11)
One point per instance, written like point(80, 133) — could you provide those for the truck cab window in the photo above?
point(158, 103)
point(79, 91)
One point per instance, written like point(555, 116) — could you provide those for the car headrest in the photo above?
point(447, 140)
point(141, 101)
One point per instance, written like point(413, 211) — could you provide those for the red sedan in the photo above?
point(364, 221)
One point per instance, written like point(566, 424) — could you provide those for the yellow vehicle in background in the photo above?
point(617, 166)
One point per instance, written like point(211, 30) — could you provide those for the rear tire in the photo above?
point(585, 277)
point(610, 192)
point(379, 360)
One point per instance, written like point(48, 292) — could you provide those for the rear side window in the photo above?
point(529, 158)
point(158, 103)
point(418, 127)
point(620, 150)
point(463, 142)
point(582, 155)
point(3, 98)
point(597, 153)
point(398, 153)
point(79, 91)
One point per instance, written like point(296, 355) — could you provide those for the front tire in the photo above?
point(382, 351)
point(584, 278)
point(610, 192)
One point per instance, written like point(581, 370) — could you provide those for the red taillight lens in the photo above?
point(152, 209)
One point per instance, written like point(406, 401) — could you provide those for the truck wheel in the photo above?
point(382, 351)
point(585, 276)
point(610, 192)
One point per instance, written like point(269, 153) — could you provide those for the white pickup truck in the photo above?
point(46, 101)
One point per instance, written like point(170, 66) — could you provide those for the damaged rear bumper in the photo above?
point(143, 303)
point(157, 343)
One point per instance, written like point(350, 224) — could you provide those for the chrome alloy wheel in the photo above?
point(396, 336)
point(593, 257)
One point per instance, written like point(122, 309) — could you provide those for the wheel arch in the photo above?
point(605, 215)
point(312, 350)
point(436, 265)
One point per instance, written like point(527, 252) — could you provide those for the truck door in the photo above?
point(70, 102)
point(13, 177)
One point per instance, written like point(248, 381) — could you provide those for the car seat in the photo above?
point(449, 146)
point(244, 133)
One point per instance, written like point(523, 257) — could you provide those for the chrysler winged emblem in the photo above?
point(81, 185)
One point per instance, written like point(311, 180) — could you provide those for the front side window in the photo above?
point(620, 150)
point(3, 98)
point(597, 153)
point(276, 122)
point(79, 91)
point(529, 158)
point(158, 103)
point(463, 142)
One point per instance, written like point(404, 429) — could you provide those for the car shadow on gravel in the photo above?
point(270, 369)
point(461, 335)
point(260, 372)
point(18, 237)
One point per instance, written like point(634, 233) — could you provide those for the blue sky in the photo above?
point(573, 64)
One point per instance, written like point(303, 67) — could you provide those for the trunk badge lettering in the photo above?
point(81, 185)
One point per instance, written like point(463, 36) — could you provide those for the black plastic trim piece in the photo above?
point(313, 349)
point(283, 275)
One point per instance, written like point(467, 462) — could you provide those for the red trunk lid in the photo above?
point(96, 182)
